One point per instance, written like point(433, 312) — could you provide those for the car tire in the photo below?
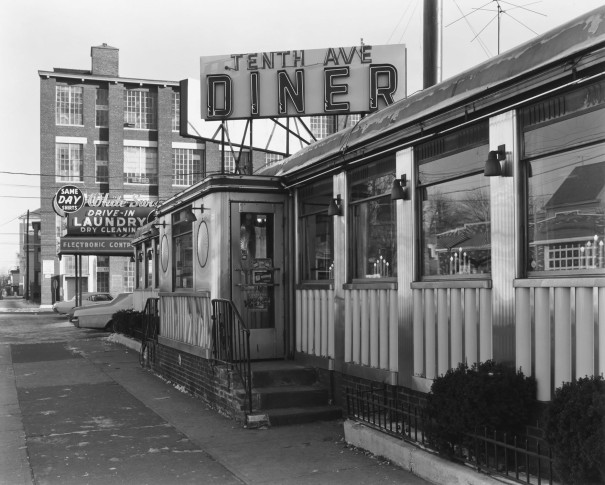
point(110, 327)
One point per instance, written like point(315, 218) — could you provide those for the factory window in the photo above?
point(69, 105)
point(140, 109)
point(455, 204)
point(176, 111)
point(372, 220)
point(316, 232)
point(140, 165)
point(102, 108)
point(322, 126)
point(187, 166)
point(69, 162)
point(102, 164)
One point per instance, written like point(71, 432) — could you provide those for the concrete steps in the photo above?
point(288, 393)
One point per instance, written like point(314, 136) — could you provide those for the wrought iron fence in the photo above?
point(149, 331)
point(231, 342)
point(522, 459)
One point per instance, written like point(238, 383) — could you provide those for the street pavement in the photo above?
point(77, 408)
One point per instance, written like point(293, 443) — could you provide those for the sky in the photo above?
point(161, 39)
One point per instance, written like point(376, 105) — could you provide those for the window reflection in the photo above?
point(317, 232)
point(566, 211)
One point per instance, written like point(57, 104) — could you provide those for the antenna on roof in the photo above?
point(499, 12)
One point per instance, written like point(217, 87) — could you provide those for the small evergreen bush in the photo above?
point(468, 400)
point(575, 428)
point(127, 322)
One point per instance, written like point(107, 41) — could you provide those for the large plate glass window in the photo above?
point(373, 231)
point(564, 152)
point(316, 232)
point(454, 204)
point(182, 252)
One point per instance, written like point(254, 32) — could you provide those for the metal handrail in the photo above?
point(231, 342)
point(149, 337)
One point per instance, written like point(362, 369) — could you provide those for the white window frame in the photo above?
point(140, 109)
point(176, 111)
point(187, 166)
point(69, 101)
point(141, 174)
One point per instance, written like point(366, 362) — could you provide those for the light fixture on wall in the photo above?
point(190, 215)
point(493, 167)
point(132, 260)
point(150, 255)
point(335, 207)
point(160, 224)
point(140, 257)
point(400, 190)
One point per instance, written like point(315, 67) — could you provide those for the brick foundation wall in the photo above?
point(214, 384)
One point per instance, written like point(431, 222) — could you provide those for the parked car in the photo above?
point(99, 316)
point(89, 298)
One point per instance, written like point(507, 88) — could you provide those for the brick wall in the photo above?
point(215, 385)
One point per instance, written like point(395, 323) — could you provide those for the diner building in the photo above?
point(463, 223)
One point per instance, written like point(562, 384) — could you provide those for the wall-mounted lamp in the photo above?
point(160, 224)
point(59, 256)
point(335, 207)
point(150, 255)
point(132, 260)
point(493, 168)
point(399, 190)
point(140, 257)
point(190, 215)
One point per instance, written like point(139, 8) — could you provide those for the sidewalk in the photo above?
point(86, 412)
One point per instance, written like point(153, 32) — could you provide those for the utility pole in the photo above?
point(26, 276)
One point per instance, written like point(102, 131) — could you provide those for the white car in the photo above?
point(99, 316)
point(88, 298)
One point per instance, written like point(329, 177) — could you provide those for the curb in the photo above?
point(423, 464)
point(126, 341)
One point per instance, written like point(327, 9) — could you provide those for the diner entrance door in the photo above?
point(257, 257)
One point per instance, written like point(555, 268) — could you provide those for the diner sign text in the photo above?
point(332, 81)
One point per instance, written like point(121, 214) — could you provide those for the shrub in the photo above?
point(575, 428)
point(467, 400)
point(127, 322)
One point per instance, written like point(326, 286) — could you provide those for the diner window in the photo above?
point(187, 166)
point(455, 204)
point(140, 109)
point(69, 161)
point(373, 232)
point(149, 264)
point(140, 165)
point(69, 103)
point(176, 111)
point(182, 250)
point(102, 108)
point(316, 232)
point(564, 151)
point(141, 266)
point(102, 164)
point(128, 274)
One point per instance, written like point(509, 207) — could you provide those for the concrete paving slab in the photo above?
point(58, 373)
point(42, 352)
point(14, 464)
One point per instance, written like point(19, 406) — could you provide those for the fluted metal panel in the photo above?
point(365, 327)
point(505, 239)
point(299, 320)
point(600, 323)
point(585, 331)
point(304, 322)
point(317, 323)
point(485, 325)
point(562, 323)
point(430, 364)
point(324, 323)
point(340, 269)
point(542, 327)
point(523, 334)
point(457, 339)
point(418, 327)
point(443, 313)
point(383, 342)
point(393, 340)
point(471, 333)
point(330, 304)
point(348, 348)
point(374, 330)
point(356, 357)
point(406, 271)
